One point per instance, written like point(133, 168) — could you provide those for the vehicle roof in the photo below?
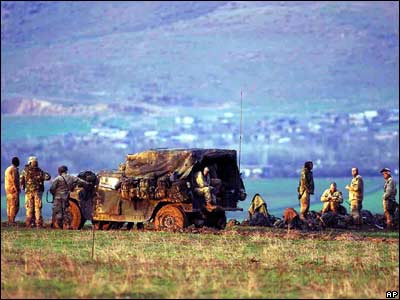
point(159, 162)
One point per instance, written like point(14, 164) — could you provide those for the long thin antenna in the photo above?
point(93, 241)
point(241, 113)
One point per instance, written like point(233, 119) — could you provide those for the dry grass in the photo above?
point(238, 263)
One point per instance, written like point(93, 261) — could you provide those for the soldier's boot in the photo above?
point(389, 224)
point(28, 223)
point(39, 224)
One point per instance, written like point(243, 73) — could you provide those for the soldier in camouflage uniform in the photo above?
point(332, 198)
point(258, 212)
point(60, 189)
point(12, 190)
point(305, 188)
point(389, 197)
point(203, 187)
point(356, 195)
point(32, 182)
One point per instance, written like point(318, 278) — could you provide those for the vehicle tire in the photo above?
point(170, 217)
point(77, 219)
point(221, 221)
point(216, 220)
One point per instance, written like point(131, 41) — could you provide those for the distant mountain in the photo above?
point(19, 106)
point(287, 56)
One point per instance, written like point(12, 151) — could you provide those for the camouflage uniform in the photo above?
point(356, 195)
point(60, 190)
point(305, 189)
point(31, 181)
point(12, 192)
point(389, 200)
point(258, 205)
point(204, 188)
point(331, 201)
point(258, 212)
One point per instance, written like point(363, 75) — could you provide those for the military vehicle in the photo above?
point(158, 186)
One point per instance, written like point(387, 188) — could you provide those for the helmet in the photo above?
point(31, 159)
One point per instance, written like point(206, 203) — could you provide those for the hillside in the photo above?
point(286, 56)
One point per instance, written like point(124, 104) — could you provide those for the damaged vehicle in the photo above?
point(159, 186)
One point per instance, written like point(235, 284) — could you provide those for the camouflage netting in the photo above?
point(157, 163)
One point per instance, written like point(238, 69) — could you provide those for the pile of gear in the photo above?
point(152, 188)
point(259, 216)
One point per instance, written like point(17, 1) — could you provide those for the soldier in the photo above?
point(332, 198)
point(60, 189)
point(122, 168)
point(204, 188)
point(305, 188)
point(32, 182)
point(258, 212)
point(389, 197)
point(356, 195)
point(12, 190)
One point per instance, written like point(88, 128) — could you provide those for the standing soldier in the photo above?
point(305, 188)
point(60, 189)
point(389, 197)
point(356, 195)
point(32, 182)
point(12, 190)
point(332, 198)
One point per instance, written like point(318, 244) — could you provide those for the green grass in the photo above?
point(26, 127)
point(238, 263)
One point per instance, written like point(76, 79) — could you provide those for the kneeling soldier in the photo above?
point(332, 199)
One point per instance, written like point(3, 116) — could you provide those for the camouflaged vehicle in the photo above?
point(158, 186)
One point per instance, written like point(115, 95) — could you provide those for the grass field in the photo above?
point(241, 262)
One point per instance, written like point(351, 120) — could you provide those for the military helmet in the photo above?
point(32, 158)
point(385, 170)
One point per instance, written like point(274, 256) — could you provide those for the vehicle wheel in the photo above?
point(216, 220)
point(170, 218)
point(129, 226)
point(140, 226)
point(77, 219)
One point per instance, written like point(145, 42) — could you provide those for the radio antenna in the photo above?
point(240, 135)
